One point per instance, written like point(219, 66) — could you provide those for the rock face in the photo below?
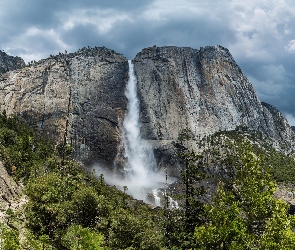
point(8, 63)
point(80, 97)
point(77, 96)
point(8, 189)
point(201, 90)
point(277, 127)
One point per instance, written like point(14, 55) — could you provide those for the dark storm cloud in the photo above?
point(259, 34)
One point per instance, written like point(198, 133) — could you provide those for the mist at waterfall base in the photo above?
point(140, 168)
point(146, 189)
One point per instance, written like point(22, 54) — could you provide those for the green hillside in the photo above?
point(68, 208)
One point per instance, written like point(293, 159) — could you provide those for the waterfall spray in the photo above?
point(141, 160)
point(141, 163)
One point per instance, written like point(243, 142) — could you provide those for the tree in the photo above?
point(128, 231)
point(77, 237)
point(9, 238)
point(244, 213)
point(180, 223)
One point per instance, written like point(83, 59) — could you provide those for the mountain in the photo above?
point(79, 98)
point(203, 91)
point(8, 63)
point(200, 96)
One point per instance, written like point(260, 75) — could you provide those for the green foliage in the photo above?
point(180, 223)
point(20, 148)
point(244, 213)
point(131, 232)
point(37, 243)
point(220, 144)
point(65, 203)
point(9, 238)
point(77, 237)
point(69, 209)
point(59, 202)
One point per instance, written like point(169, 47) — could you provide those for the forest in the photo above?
point(69, 208)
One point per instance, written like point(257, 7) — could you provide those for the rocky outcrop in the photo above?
point(9, 190)
point(278, 128)
point(77, 96)
point(8, 63)
point(203, 91)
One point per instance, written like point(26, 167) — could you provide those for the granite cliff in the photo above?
point(203, 91)
point(79, 97)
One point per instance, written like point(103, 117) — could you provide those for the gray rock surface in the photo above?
point(201, 90)
point(276, 127)
point(79, 96)
point(8, 63)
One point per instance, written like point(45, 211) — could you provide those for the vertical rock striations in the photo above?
point(78, 95)
point(201, 90)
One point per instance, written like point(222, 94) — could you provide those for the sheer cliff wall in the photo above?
point(79, 96)
point(203, 91)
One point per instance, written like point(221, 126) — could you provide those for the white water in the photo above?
point(140, 169)
point(140, 175)
point(141, 160)
point(172, 203)
point(157, 198)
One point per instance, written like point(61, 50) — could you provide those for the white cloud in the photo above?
point(103, 20)
point(291, 46)
point(33, 43)
point(257, 27)
point(266, 90)
point(163, 10)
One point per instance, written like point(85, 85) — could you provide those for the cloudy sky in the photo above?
point(260, 34)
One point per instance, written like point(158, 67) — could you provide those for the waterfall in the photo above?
point(141, 164)
point(156, 197)
point(136, 156)
point(141, 160)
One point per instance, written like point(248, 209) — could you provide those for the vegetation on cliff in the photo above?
point(67, 208)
